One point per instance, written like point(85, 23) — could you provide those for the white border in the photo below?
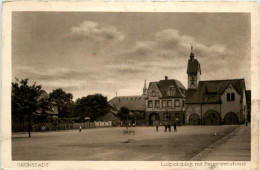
point(8, 7)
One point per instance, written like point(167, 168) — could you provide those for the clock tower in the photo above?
point(193, 71)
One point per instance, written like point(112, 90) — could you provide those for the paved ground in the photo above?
point(236, 148)
point(111, 144)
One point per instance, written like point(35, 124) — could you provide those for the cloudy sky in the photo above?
point(87, 52)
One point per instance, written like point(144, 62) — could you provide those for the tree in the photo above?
point(93, 106)
point(63, 100)
point(124, 114)
point(45, 106)
point(24, 101)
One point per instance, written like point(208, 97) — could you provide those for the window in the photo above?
point(232, 96)
point(177, 103)
point(157, 103)
point(153, 93)
point(164, 103)
point(171, 91)
point(150, 104)
point(167, 116)
point(177, 116)
point(228, 97)
point(169, 103)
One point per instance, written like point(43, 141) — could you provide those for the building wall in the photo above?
point(209, 107)
point(162, 119)
point(192, 109)
point(231, 106)
point(181, 107)
point(196, 80)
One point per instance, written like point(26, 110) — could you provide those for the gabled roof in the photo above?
point(163, 86)
point(131, 102)
point(193, 67)
point(210, 91)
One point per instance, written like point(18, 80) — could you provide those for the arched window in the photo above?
point(228, 97)
point(232, 96)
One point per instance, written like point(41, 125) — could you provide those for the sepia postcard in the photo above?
point(130, 85)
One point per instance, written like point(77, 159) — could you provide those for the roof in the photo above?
point(131, 102)
point(193, 67)
point(210, 91)
point(54, 111)
point(248, 96)
point(164, 85)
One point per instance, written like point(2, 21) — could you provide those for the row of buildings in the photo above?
point(211, 102)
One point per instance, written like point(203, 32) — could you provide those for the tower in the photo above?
point(193, 71)
point(144, 89)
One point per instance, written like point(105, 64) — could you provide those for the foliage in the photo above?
point(24, 98)
point(93, 106)
point(24, 101)
point(64, 102)
point(123, 113)
point(45, 106)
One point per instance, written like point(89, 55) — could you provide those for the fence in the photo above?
point(51, 127)
point(103, 124)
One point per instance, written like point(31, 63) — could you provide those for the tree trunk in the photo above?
point(29, 124)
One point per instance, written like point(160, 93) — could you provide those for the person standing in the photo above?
point(175, 126)
point(169, 127)
point(79, 129)
point(165, 127)
point(157, 127)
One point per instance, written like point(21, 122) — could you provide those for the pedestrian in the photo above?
point(79, 129)
point(165, 127)
point(157, 127)
point(169, 126)
point(246, 123)
point(175, 128)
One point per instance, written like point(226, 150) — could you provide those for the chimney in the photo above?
point(166, 77)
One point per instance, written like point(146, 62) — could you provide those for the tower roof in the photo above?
point(193, 67)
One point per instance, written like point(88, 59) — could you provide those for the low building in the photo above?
point(112, 116)
point(135, 104)
point(53, 108)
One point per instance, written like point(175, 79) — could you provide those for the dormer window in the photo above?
point(230, 97)
point(171, 91)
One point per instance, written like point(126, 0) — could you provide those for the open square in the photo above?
point(110, 144)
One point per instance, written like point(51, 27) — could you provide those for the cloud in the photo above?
point(169, 44)
point(89, 30)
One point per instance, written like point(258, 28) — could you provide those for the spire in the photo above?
point(144, 89)
point(191, 53)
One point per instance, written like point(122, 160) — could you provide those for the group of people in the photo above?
point(167, 126)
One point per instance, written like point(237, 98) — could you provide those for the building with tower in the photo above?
point(213, 102)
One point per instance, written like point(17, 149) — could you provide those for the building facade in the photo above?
point(165, 102)
point(214, 102)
